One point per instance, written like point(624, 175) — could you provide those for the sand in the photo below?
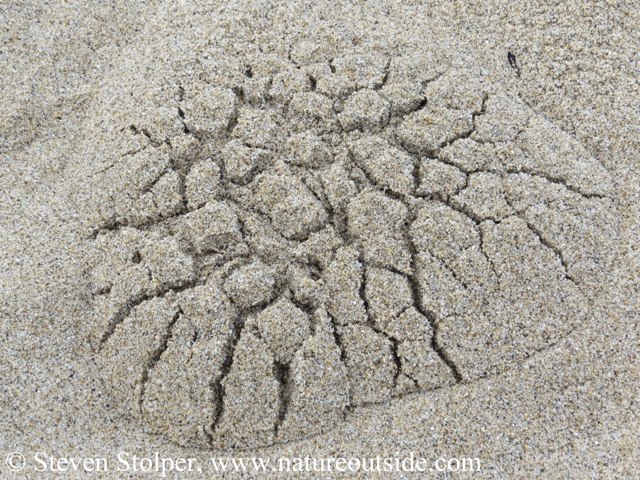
point(289, 230)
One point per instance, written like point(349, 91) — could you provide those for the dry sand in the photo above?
point(291, 230)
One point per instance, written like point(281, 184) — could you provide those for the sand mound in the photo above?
point(281, 239)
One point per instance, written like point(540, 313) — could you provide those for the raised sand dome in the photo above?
point(284, 239)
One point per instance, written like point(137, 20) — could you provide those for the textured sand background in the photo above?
point(568, 412)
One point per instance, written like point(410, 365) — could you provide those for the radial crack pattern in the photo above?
point(282, 240)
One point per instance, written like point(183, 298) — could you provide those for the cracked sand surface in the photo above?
point(305, 236)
